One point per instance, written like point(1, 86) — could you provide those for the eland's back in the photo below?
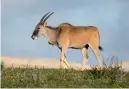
point(79, 36)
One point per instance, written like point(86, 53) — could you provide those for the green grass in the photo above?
point(108, 77)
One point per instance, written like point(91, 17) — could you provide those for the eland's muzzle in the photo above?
point(34, 37)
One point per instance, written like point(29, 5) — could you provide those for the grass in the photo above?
point(112, 76)
point(108, 77)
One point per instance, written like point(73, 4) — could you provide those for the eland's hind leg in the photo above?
point(97, 53)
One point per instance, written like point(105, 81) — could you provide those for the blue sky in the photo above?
point(19, 18)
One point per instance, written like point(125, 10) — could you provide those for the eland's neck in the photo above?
point(52, 35)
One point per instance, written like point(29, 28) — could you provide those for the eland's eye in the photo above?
point(38, 28)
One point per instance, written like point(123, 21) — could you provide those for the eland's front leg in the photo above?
point(66, 63)
point(63, 58)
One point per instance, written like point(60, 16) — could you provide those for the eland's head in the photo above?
point(41, 26)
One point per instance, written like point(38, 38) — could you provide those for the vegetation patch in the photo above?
point(108, 77)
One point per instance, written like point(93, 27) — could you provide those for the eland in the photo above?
point(67, 36)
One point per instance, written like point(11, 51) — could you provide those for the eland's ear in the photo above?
point(45, 24)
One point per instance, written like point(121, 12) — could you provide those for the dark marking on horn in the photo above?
point(44, 17)
point(47, 17)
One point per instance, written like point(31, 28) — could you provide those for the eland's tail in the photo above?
point(100, 48)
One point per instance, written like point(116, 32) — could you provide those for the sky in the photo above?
point(19, 18)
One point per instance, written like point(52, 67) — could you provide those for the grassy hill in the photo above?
point(47, 74)
point(109, 77)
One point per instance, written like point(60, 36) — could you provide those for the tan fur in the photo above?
point(78, 37)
